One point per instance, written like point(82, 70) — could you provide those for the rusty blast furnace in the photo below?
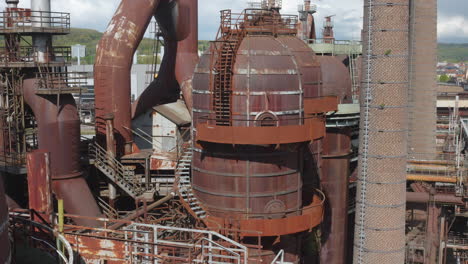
point(255, 111)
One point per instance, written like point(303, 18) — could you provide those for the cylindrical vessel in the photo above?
point(271, 77)
point(381, 190)
point(5, 254)
point(59, 133)
point(253, 181)
point(40, 18)
point(336, 81)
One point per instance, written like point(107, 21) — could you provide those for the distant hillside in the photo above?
point(453, 52)
point(90, 39)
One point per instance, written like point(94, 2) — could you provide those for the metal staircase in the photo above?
point(225, 51)
point(114, 170)
point(184, 186)
point(353, 68)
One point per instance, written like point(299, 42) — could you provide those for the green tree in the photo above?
point(444, 78)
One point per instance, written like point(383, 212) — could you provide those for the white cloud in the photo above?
point(96, 14)
point(453, 29)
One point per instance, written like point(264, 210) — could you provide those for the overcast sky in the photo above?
point(95, 14)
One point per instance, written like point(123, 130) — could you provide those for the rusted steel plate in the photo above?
point(311, 217)
point(163, 161)
point(320, 105)
point(39, 184)
point(314, 129)
point(91, 248)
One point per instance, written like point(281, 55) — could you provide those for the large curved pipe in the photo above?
point(114, 57)
point(59, 133)
point(161, 90)
point(180, 58)
point(187, 51)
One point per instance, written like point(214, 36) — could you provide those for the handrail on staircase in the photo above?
point(120, 173)
point(237, 255)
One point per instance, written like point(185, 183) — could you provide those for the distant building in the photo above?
point(141, 77)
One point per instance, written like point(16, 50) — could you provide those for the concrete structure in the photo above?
point(423, 83)
point(380, 200)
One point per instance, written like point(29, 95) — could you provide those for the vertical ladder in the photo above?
point(354, 74)
point(367, 100)
point(230, 41)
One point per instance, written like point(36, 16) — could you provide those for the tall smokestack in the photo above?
point(423, 83)
point(12, 3)
point(381, 194)
point(41, 19)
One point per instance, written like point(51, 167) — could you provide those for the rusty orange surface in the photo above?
point(311, 217)
point(39, 185)
point(320, 105)
point(92, 248)
point(313, 129)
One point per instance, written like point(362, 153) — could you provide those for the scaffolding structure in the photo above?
point(18, 59)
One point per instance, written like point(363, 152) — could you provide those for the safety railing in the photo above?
point(155, 244)
point(261, 21)
point(335, 42)
point(20, 20)
point(60, 82)
point(12, 159)
point(28, 54)
point(43, 236)
point(286, 118)
point(115, 171)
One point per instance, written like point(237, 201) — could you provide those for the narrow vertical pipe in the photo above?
point(187, 50)
point(12, 3)
point(336, 81)
point(40, 17)
point(381, 190)
point(336, 155)
point(110, 143)
point(5, 256)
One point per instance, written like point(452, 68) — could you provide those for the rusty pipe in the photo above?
point(187, 51)
point(430, 178)
point(425, 197)
point(179, 24)
point(335, 170)
point(334, 181)
point(114, 57)
point(5, 256)
point(59, 134)
point(142, 210)
point(161, 90)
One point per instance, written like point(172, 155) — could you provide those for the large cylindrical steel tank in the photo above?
point(336, 81)
point(5, 256)
point(271, 77)
point(253, 181)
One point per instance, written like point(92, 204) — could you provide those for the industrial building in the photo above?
point(273, 146)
